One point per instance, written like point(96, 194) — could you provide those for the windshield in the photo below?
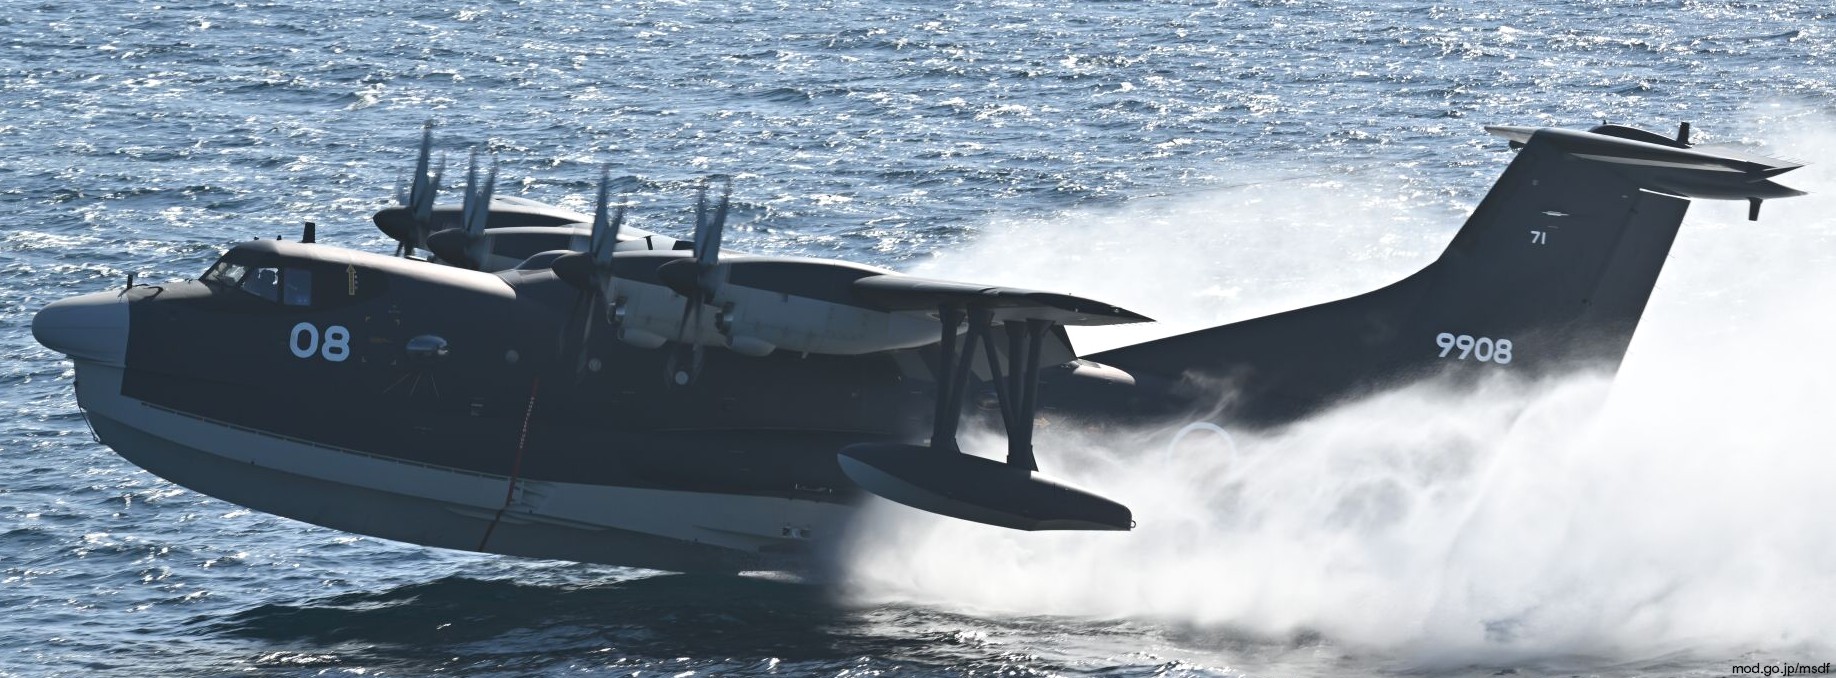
point(262, 281)
point(226, 273)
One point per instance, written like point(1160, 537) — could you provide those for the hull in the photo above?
point(431, 505)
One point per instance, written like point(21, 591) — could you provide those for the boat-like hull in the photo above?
point(447, 507)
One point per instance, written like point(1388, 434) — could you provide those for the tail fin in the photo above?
point(1551, 272)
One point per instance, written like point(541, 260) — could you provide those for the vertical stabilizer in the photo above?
point(1551, 272)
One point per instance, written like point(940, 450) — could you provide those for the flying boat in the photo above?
point(523, 379)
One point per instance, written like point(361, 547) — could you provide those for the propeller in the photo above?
point(591, 272)
point(410, 221)
point(464, 246)
point(698, 279)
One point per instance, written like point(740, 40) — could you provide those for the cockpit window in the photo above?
point(296, 287)
point(230, 275)
point(296, 282)
point(263, 282)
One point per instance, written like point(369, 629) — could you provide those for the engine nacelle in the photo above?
point(757, 322)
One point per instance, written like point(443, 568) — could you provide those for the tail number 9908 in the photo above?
point(1482, 349)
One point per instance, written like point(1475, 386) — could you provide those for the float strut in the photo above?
point(1020, 434)
point(1016, 387)
point(943, 425)
point(959, 381)
point(984, 316)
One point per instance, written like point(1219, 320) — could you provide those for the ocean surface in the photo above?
point(1198, 162)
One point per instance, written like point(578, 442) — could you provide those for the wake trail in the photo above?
point(1679, 509)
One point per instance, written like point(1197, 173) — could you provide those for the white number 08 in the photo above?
point(304, 342)
point(1482, 349)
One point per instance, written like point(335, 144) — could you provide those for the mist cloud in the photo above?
point(1681, 507)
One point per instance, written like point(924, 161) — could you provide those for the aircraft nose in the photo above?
point(91, 327)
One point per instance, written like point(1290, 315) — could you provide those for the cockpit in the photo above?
point(288, 285)
point(289, 274)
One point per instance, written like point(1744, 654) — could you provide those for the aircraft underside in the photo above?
point(684, 530)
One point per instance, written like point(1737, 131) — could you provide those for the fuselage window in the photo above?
point(296, 287)
point(263, 282)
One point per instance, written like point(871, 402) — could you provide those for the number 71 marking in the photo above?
point(1539, 237)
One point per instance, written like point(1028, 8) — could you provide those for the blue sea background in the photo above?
point(1245, 155)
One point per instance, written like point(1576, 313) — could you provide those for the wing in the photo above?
point(893, 292)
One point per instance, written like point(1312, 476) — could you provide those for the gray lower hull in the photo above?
point(406, 518)
point(432, 506)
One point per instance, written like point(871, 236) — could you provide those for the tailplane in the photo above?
point(1551, 272)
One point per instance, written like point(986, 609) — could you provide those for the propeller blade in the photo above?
point(707, 254)
point(593, 268)
point(709, 224)
point(589, 315)
point(484, 197)
point(688, 307)
point(422, 185)
point(604, 242)
point(602, 257)
point(410, 222)
point(475, 211)
point(591, 272)
point(468, 201)
point(605, 228)
point(421, 221)
point(425, 212)
point(709, 273)
point(696, 353)
point(703, 288)
point(677, 374)
point(701, 214)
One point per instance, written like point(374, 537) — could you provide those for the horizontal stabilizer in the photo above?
point(910, 293)
point(1776, 166)
point(1668, 166)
